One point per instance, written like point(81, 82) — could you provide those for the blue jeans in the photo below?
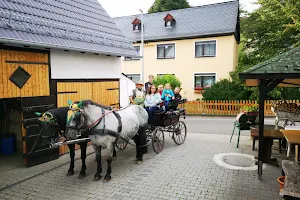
point(151, 111)
point(167, 105)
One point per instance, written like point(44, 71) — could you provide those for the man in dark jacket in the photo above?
point(174, 103)
point(149, 83)
point(177, 95)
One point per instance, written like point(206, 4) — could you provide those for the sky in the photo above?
point(118, 8)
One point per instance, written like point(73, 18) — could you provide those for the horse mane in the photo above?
point(90, 102)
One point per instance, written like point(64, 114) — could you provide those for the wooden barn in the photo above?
point(52, 51)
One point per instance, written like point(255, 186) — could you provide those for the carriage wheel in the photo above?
point(179, 133)
point(121, 146)
point(158, 140)
point(283, 122)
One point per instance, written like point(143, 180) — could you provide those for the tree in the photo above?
point(166, 5)
point(226, 90)
point(272, 29)
point(268, 31)
point(162, 80)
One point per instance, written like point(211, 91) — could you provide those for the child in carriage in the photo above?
point(167, 95)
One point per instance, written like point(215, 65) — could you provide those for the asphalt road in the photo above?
point(215, 125)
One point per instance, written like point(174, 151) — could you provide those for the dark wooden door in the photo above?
point(36, 149)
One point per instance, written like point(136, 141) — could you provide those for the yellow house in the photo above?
point(199, 45)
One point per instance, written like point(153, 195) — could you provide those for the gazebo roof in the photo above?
point(285, 66)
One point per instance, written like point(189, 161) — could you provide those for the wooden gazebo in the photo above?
point(283, 71)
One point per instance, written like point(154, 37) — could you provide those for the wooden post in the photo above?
point(262, 94)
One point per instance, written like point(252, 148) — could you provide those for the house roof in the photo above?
point(283, 66)
point(213, 19)
point(65, 24)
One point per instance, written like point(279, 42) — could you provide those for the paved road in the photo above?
point(179, 172)
point(215, 125)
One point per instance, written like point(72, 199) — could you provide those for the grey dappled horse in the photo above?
point(105, 127)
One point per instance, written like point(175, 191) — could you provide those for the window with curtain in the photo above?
point(205, 49)
point(138, 49)
point(204, 80)
point(165, 51)
point(134, 77)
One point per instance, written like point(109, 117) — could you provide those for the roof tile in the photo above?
point(82, 25)
point(287, 63)
point(213, 19)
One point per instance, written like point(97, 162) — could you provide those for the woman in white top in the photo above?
point(152, 100)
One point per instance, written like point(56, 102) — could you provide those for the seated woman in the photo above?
point(152, 100)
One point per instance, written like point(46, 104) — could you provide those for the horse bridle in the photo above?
point(81, 130)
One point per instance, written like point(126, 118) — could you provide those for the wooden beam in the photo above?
point(271, 84)
point(262, 96)
point(252, 82)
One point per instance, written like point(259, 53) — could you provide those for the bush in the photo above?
point(168, 78)
point(226, 90)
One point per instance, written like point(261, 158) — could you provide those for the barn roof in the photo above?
point(64, 24)
point(207, 20)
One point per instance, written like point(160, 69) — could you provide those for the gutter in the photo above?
point(184, 37)
point(44, 45)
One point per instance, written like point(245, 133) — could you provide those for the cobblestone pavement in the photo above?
point(20, 172)
point(179, 172)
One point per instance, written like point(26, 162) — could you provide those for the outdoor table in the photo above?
point(271, 132)
point(293, 137)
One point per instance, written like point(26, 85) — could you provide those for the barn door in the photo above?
point(103, 92)
point(36, 150)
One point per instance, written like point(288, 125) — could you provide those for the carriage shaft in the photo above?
point(57, 144)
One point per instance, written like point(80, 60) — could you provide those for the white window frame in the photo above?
point(167, 43)
point(204, 41)
point(203, 74)
point(168, 24)
point(132, 58)
point(133, 74)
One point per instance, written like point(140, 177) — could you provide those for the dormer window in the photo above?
point(136, 25)
point(169, 21)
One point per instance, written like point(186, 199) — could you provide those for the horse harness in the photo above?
point(104, 131)
point(90, 130)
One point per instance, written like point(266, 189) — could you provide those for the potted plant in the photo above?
point(198, 89)
point(251, 111)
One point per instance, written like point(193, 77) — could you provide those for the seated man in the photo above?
point(176, 94)
point(174, 104)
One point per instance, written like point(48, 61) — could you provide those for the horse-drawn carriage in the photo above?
point(86, 121)
point(164, 122)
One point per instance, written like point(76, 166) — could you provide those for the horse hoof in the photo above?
point(81, 175)
point(70, 173)
point(106, 179)
point(139, 162)
point(97, 178)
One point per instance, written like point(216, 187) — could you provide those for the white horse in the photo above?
point(105, 127)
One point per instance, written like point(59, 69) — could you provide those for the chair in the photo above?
point(241, 123)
